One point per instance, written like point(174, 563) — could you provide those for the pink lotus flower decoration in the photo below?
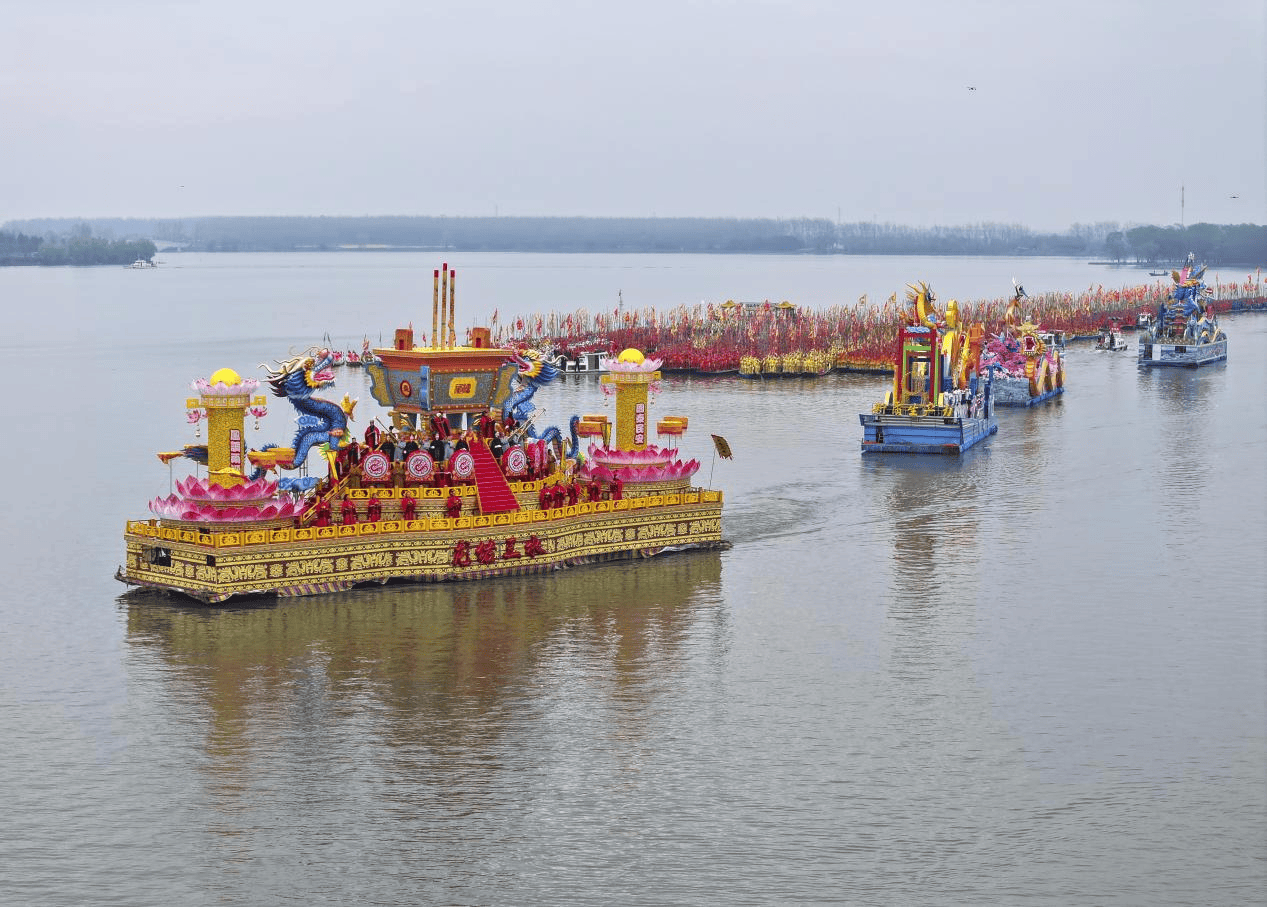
point(653, 464)
point(220, 389)
point(201, 501)
point(614, 365)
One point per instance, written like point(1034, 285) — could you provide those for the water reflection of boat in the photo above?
point(417, 648)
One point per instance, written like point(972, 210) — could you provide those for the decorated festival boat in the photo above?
point(940, 402)
point(462, 485)
point(1186, 331)
point(1026, 369)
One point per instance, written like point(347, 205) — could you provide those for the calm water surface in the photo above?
point(1036, 675)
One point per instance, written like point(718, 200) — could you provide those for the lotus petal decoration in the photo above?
point(654, 464)
point(615, 365)
point(198, 489)
point(198, 501)
point(220, 389)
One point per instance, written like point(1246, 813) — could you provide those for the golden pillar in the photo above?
point(441, 341)
point(225, 397)
point(435, 308)
point(633, 418)
point(453, 332)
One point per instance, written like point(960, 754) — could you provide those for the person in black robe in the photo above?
point(437, 448)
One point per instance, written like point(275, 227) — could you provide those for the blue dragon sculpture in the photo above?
point(320, 421)
point(534, 373)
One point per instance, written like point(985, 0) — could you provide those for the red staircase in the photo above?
point(491, 486)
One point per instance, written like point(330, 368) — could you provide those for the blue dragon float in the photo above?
point(320, 421)
point(1186, 331)
point(534, 373)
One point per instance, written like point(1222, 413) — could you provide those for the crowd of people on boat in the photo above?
point(442, 442)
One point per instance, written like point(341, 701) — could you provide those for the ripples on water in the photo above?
point(1030, 675)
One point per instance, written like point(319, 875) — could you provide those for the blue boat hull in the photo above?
point(884, 433)
point(1181, 355)
point(1015, 392)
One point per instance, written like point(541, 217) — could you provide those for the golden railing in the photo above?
point(286, 535)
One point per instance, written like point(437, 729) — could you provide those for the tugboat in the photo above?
point(1186, 331)
point(447, 492)
point(940, 403)
point(1026, 369)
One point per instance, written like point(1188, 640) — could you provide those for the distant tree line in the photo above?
point(78, 247)
point(1214, 244)
point(1241, 244)
point(18, 248)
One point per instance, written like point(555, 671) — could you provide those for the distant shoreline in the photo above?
point(29, 262)
point(1107, 242)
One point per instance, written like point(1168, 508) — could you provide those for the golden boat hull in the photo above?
point(288, 561)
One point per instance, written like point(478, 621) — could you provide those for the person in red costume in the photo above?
point(371, 436)
point(408, 508)
point(618, 488)
point(453, 506)
point(323, 513)
point(487, 425)
point(348, 511)
point(439, 425)
point(374, 509)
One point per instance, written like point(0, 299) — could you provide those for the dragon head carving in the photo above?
point(534, 370)
point(300, 375)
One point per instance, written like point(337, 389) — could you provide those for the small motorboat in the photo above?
point(1111, 339)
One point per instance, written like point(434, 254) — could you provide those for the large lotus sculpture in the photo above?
point(200, 501)
point(652, 464)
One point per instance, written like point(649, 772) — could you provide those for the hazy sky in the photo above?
point(1083, 110)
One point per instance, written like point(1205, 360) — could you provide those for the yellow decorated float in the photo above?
point(463, 485)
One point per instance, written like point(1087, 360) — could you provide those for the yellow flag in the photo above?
point(723, 449)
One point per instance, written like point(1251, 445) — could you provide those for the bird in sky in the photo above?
point(972, 88)
point(1233, 196)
